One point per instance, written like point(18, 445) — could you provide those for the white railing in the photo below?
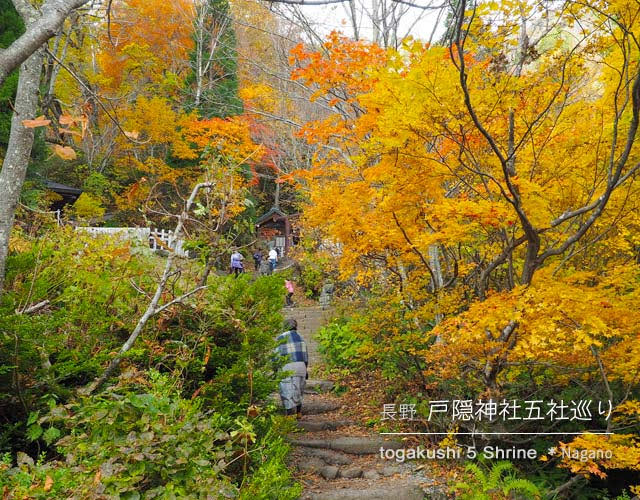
point(160, 239)
point(157, 239)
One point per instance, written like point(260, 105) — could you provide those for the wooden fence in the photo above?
point(157, 239)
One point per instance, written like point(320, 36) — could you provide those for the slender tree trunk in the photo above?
point(14, 167)
point(434, 261)
point(354, 19)
point(375, 20)
point(198, 70)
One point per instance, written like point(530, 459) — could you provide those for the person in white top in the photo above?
point(273, 259)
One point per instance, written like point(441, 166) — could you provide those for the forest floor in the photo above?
point(335, 455)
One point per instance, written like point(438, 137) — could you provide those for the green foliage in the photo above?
point(154, 442)
point(187, 417)
point(141, 439)
point(623, 496)
point(88, 206)
point(11, 27)
point(378, 337)
point(7, 94)
point(92, 306)
point(222, 348)
point(36, 480)
point(340, 345)
point(271, 477)
point(219, 96)
point(313, 267)
point(11, 24)
point(312, 277)
point(500, 481)
point(99, 185)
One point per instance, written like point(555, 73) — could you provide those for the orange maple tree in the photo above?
point(491, 193)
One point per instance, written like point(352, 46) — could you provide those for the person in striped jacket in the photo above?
point(292, 347)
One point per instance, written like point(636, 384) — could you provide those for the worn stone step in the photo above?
point(317, 386)
point(310, 406)
point(353, 445)
point(326, 457)
point(387, 492)
point(317, 407)
point(323, 425)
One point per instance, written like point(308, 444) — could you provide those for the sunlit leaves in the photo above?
point(41, 121)
point(64, 152)
point(412, 172)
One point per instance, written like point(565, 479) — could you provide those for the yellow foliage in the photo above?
point(587, 454)
point(487, 210)
point(88, 206)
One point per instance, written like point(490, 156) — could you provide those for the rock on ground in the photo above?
point(328, 456)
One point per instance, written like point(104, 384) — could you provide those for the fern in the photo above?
point(477, 472)
point(522, 486)
point(500, 478)
point(495, 475)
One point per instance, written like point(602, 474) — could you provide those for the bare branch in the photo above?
point(153, 307)
point(307, 2)
point(180, 299)
point(33, 308)
point(415, 250)
point(418, 6)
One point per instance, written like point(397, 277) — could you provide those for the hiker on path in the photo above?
point(237, 266)
point(273, 259)
point(293, 347)
point(257, 259)
point(288, 284)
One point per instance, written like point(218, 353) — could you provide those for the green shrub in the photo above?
point(176, 423)
point(313, 267)
point(340, 345)
point(143, 440)
point(92, 307)
point(88, 206)
point(222, 348)
point(271, 479)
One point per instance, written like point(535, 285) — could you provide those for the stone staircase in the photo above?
point(335, 457)
point(310, 320)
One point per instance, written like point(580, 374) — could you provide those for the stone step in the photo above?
point(310, 406)
point(316, 407)
point(353, 472)
point(323, 425)
point(315, 386)
point(325, 457)
point(352, 445)
point(398, 491)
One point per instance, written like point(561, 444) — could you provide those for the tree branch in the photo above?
point(153, 307)
point(40, 26)
point(307, 2)
point(416, 251)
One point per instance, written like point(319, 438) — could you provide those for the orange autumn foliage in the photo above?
point(497, 209)
point(147, 39)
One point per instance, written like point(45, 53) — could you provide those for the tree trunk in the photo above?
point(16, 161)
point(434, 261)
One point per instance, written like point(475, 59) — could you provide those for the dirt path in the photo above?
point(337, 458)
